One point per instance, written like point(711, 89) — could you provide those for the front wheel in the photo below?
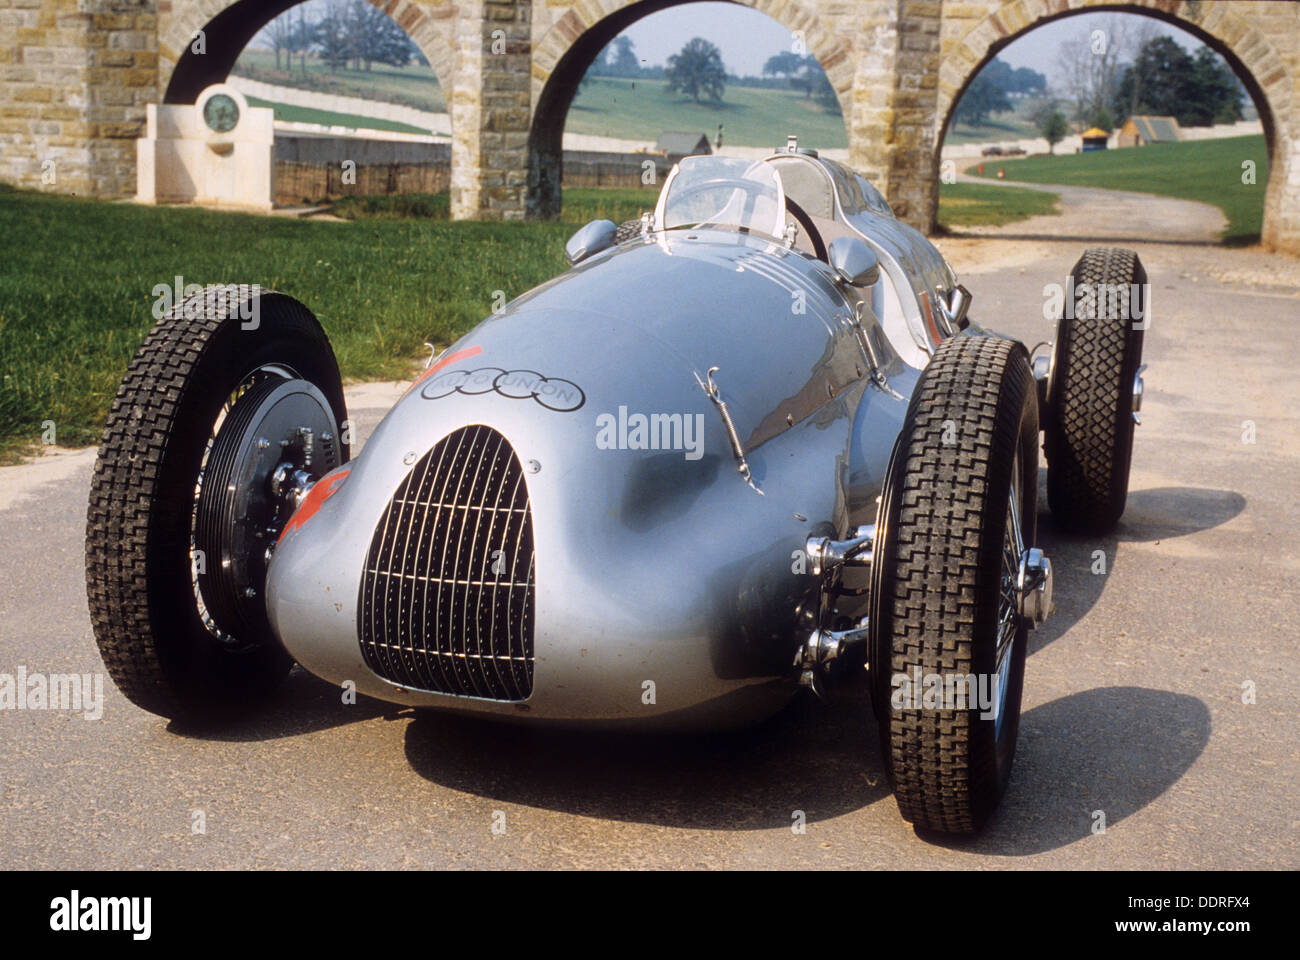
point(230, 408)
point(952, 570)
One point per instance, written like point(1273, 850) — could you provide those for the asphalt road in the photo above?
point(1133, 697)
point(1112, 216)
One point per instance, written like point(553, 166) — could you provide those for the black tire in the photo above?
point(627, 230)
point(1088, 429)
point(937, 577)
point(139, 525)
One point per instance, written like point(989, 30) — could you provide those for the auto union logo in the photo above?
point(553, 393)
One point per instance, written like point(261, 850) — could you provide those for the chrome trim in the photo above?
point(1034, 587)
point(1139, 387)
point(956, 307)
point(823, 648)
point(737, 450)
point(447, 591)
point(826, 554)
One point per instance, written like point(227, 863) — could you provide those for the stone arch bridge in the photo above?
point(75, 76)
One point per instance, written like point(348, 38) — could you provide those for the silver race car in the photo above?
point(748, 444)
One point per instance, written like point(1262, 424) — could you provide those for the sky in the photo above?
point(747, 38)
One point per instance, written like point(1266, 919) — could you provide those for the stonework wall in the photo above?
point(74, 81)
point(75, 76)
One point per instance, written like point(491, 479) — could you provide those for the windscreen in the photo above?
point(724, 192)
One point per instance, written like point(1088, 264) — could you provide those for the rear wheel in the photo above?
point(231, 405)
point(1094, 390)
point(955, 526)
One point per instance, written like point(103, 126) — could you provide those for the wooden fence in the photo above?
point(310, 170)
point(308, 183)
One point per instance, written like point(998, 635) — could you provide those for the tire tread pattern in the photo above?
point(1089, 435)
point(940, 582)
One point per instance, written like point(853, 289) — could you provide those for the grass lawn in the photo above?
point(76, 297)
point(77, 293)
point(293, 114)
point(974, 204)
point(580, 206)
point(1206, 170)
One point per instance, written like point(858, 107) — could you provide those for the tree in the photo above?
point(1217, 92)
point(1053, 127)
point(618, 59)
point(279, 36)
point(304, 36)
point(801, 72)
point(981, 98)
point(1027, 81)
point(697, 70)
point(825, 94)
point(1157, 81)
point(375, 38)
point(784, 64)
point(1166, 80)
point(1092, 62)
point(333, 38)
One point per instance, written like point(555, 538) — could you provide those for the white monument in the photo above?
point(217, 151)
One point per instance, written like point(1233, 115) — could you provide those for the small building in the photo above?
point(674, 145)
point(1094, 139)
point(1140, 130)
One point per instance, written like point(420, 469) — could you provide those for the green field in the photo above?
point(412, 85)
point(605, 106)
point(1206, 170)
point(974, 204)
point(77, 293)
point(960, 205)
point(1016, 124)
point(752, 116)
point(294, 114)
point(580, 206)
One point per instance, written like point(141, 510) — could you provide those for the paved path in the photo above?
point(1092, 214)
point(1133, 697)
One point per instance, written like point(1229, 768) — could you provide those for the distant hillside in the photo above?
point(1014, 125)
point(605, 106)
point(411, 86)
point(752, 116)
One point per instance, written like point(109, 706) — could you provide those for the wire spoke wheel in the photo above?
point(956, 519)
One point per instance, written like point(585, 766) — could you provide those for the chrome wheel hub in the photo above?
point(1034, 586)
point(272, 439)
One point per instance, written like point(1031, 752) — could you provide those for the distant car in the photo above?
point(991, 152)
point(748, 444)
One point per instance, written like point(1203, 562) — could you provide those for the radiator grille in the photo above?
point(447, 595)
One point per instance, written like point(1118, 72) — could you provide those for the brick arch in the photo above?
point(229, 26)
point(569, 44)
point(969, 43)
